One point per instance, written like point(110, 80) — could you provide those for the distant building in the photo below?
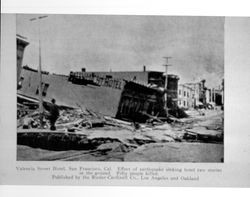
point(209, 95)
point(191, 95)
point(186, 96)
point(215, 96)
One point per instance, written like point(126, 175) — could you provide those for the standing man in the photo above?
point(53, 113)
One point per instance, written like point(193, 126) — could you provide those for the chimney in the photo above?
point(144, 68)
point(83, 70)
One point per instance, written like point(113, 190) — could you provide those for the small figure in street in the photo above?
point(53, 113)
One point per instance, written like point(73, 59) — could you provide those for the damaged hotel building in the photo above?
point(133, 95)
point(124, 95)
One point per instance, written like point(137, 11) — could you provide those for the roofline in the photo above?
point(147, 71)
point(136, 71)
point(22, 39)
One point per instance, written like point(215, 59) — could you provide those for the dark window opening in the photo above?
point(20, 83)
point(45, 87)
point(37, 90)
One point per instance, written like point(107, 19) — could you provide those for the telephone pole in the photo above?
point(166, 84)
point(40, 68)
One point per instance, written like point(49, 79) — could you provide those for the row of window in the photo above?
point(45, 87)
point(184, 93)
point(185, 104)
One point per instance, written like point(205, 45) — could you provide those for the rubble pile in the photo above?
point(85, 130)
point(69, 119)
point(76, 119)
point(105, 137)
point(202, 134)
point(26, 114)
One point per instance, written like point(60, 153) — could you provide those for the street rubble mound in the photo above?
point(85, 130)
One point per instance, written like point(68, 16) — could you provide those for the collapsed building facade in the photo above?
point(124, 95)
point(147, 89)
point(132, 95)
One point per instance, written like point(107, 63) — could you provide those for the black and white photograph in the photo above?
point(120, 88)
point(124, 93)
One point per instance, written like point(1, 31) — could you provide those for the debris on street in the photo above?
point(102, 136)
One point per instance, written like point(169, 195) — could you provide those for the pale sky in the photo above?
point(126, 43)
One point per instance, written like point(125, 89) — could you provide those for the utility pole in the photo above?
point(166, 84)
point(40, 70)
